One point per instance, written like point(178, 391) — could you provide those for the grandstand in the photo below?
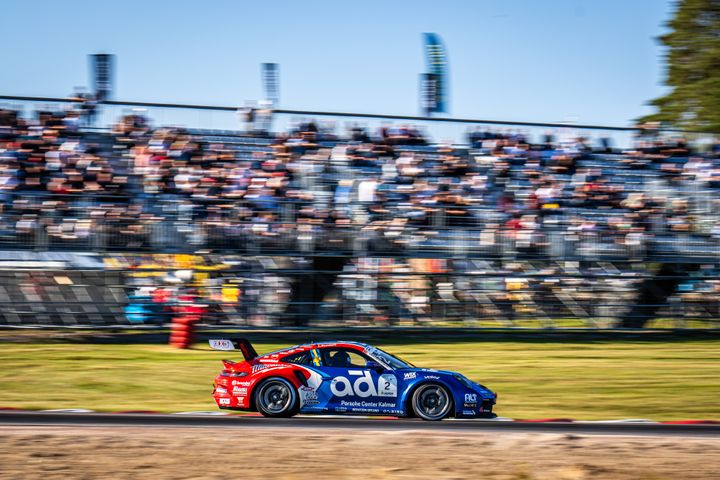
point(312, 225)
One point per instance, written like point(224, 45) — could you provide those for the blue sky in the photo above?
point(525, 60)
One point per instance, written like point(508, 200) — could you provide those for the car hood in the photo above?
point(446, 375)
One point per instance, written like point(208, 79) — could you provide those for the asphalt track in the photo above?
point(70, 419)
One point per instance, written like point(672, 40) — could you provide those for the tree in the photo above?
point(693, 68)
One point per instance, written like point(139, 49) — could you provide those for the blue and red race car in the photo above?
point(343, 377)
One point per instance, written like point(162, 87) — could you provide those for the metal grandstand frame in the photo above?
point(517, 309)
point(281, 111)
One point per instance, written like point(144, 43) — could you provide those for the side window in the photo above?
point(302, 358)
point(343, 358)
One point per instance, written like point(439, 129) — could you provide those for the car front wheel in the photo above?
point(276, 397)
point(431, 402)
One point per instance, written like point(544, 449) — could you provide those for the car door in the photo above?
point(350, 385)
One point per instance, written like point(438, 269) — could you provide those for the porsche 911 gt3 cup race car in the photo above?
point(343, 378)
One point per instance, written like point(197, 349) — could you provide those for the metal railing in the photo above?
point(290, 238)
point(383, 294)
point(225, 119)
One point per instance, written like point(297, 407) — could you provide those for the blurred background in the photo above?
point(518, 190)
point(279, 174)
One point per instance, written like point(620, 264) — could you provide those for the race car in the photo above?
point(343, 378)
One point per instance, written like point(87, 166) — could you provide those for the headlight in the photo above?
point(467, 383)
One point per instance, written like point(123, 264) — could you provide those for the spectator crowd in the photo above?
point(390, 191)
point(146, 187)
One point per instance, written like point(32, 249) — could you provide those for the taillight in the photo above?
point(226, 373)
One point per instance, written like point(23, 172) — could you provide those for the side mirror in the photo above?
point(374, 366)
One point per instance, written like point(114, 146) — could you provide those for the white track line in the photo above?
point(70, 410)
point(200, 413)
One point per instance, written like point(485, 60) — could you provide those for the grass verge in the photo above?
point(582, 380)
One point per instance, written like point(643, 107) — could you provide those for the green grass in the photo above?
point(662, 380)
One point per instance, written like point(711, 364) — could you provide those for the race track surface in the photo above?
point(19, 418)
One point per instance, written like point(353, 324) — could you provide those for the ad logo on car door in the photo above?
point(363, 386)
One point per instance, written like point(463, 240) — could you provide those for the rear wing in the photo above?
point(242, 344)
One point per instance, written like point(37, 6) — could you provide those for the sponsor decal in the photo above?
point(239, 391)
point(358, 403)
point(257, 368)
point(221, 390)
point(471, 398)
point(468, 412)
point(409, 375)
point(363, 410)
point(432, 377)
point(221, 344)
point(387, 385)
point(224, 401)
point(364, 386)
point(308, 396)
point(469, 405)
point(242, 383)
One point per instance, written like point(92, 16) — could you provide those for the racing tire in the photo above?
point(276, 397)
point(432, 402)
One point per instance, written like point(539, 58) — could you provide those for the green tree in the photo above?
point(693, 68)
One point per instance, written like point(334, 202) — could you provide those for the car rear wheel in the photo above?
point(276, 397)
point(431, 402)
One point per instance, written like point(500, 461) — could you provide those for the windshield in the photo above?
point(394, 362)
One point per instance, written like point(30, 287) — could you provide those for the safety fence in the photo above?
point(42, 221)
point(278, 291)
point(83, 232)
